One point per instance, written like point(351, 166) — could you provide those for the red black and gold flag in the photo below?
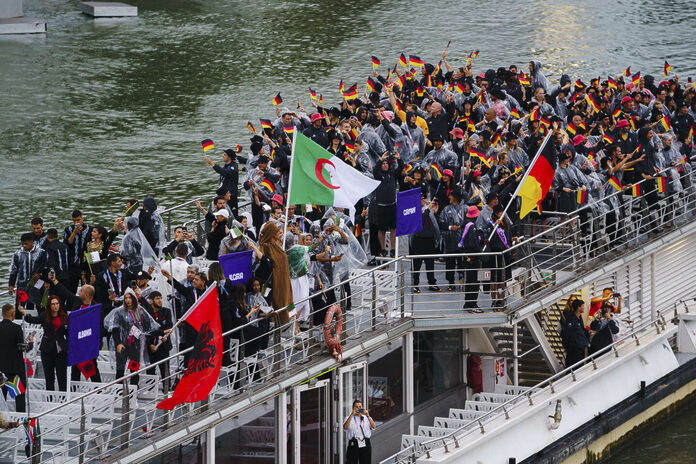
point(207, 145)
point(460, 87)
point(266, 123)
point(580, 197)
point(340, 87)
point(251, 127)
point(414, 60)
point(661, 184)
point(350, 146)
point(608, 139)
point(534, 115)
point(616, 113)
point(402, 61)
point(370, 84)
point(612, 83)
point(289, 129)
point(312, 93)
point(665, 123)
point(572, 130)
point(475, 55)
point(478, 157)
point(627, 72)
point(277, 100)
point(537, 182)
point(635, 191)
point(614, 182)
point(468, 58)
point(420, 91)
point(636, 78)
point(667, 68)
point(514, 113)
point(375, 62)
point(523, 80)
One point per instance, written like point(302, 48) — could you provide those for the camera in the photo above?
point(361, 410)
point(616, 295)
point(133, 284)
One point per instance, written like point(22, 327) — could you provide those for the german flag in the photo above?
point(437, 68)
point(534, 115)
point(398, 105)
point(578, 84)
point(312, 93)
point(321, 100)
point(277, 100)
point(515, 114)
point(401, 81)
point(627, 72)
point(580, 197)
point(340, 87)
point(545, 121)
point(237, 148)
point(636, 78)
point(496, 138)
point(537, 182)
point(612, 83)
point(420, 91)
point(667, 68)
point(429, 81)
point(634, 122)
point(351, 93)
point(691, 132)
point(354, 133)
point(665, 123)
point(268, 185)
point(479, 98)
point(414, 60)
point(616, 113)
point(266, 123)
point(289, 129)
point(475, 55)
point(523, 80)
point(375, 62)
point(474, 153)
point(571, 129)
point(517, 170)
point(408, 168)
point(370, 84)
point(582, 126)
point(402, 61)
point(606, 138)
point(635, 191)
point(592, 102)
point(251, 127)
point(207, 145)
point(661, 185)
point(471, 126)
point(460, 87)
point(437, 170)
point(614, 182)
point(468, 58)
point(350, 146)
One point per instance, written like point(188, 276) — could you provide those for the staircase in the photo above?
point(533, 368)
point(480, 404)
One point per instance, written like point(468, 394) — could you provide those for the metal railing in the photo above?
point(477, 426)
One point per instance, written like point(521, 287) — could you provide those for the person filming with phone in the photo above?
point(359, 426)
point(607, 294)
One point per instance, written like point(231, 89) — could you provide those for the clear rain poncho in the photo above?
point(354, 256)
point(135, 249)
point(129, 328)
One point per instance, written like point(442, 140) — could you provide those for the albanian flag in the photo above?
point(203, 368)
point(537, 182)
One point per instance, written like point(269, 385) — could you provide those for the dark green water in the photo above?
point(98, 111)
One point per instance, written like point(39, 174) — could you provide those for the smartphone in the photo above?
point(133, 284)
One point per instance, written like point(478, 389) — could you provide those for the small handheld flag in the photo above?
point(402, 61)
point(523, 80)
point(667, 68)
point(515, 114)
point(266, 123)
point(614, 182)
point(414, 60)
point(375, 62)
point(475, 55)
point(661, 185)
point(665, 123)
point(635, 191)
point(237, 148)
point(277, 100)
point(636, 78)
point(207, 145)
point(611, 83)
point(251, 127)
point(312, 94)
point(15, 388)
point(437, 170)
point(289, 129)
point(581, 197)
point(627, 72)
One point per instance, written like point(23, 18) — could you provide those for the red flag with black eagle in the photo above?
point(203, 368)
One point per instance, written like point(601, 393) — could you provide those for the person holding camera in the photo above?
point(604, 327)
point(607, 294)
point(359, 426)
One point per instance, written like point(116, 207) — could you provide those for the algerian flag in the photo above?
point(317, 177)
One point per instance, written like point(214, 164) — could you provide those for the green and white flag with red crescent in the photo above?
point(318, 177)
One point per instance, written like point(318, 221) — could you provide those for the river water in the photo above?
point(99, 111)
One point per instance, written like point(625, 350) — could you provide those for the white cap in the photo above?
point(223, 212)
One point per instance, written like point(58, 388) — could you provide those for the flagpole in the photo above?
point(287, 200)
point(517, 190)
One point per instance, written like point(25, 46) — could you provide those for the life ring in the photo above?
point(333, 341)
